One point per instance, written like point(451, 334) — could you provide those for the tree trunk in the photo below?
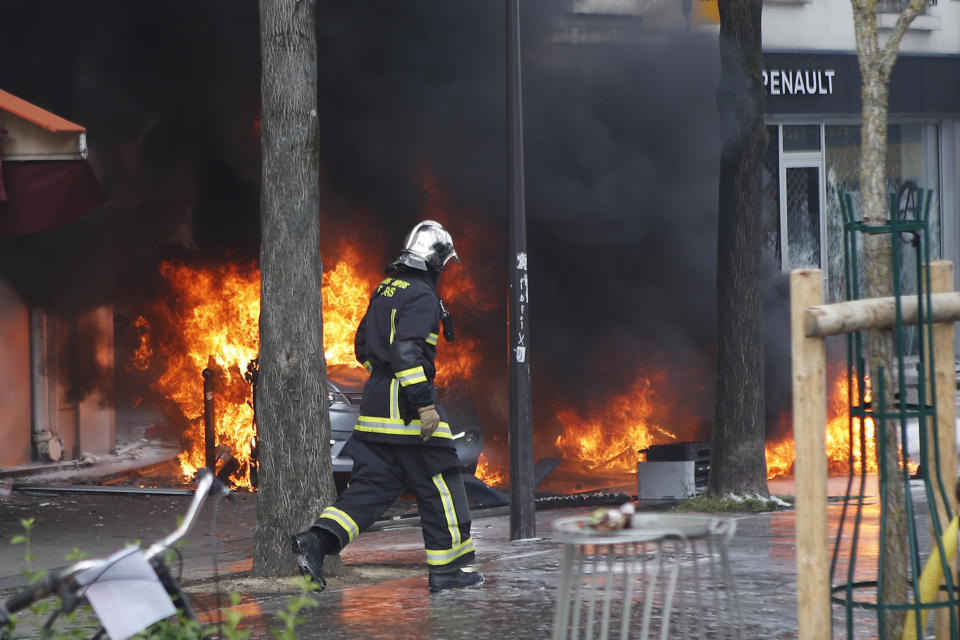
point(296, 477)
point(738, 463)
point(878, 283)
point(876, 64)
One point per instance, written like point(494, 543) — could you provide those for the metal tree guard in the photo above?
point(856, 584)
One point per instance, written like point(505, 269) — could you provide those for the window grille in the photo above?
point(897, 6)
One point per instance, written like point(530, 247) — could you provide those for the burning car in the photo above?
point(344, 389)
point(210, 319)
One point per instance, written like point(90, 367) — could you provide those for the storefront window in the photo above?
point(771, 192)
point(912, 156)
point(842, 159)
point(803, 217)
point(801, 137)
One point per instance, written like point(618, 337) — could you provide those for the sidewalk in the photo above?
point(384, 593)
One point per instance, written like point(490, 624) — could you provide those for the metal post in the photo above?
point(209, 422)
point(522, 514)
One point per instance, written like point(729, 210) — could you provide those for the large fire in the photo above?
point(216, 313)
point(612, 438)
point(213, 320)
point(212, 323)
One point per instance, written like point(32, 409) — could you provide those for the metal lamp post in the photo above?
point(522, 514)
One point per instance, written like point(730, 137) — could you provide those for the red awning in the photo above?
point(43, 195)
point(45, 180)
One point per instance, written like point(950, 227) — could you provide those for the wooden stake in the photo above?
point(876, 313)
point(941, 279)
point(810, 465)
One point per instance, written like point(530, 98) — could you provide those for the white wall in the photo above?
point(827, 25)
point(14, 379)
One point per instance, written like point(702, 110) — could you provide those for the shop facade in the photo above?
point(813, 117)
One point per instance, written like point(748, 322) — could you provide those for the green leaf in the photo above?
point(18, 539)
point(40, 608)
point(76, 555)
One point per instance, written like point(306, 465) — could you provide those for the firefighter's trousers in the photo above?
point(380, 472)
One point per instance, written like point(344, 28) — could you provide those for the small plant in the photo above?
point(29, 558)
point(294, 605)
point(179, 629)
point(230, 629)
point(734, 504)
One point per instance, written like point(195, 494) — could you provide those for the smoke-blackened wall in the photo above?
point(169, 93)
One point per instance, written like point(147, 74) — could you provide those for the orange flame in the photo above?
point(486, 472)
point(611, 439)
point(345, 297)
point(780, 455)
point(214, 314)
point(141, 357)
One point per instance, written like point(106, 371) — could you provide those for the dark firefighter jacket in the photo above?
point(397, 343)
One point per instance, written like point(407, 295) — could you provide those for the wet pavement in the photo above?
point(384, 592)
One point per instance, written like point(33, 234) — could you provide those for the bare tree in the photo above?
point(876, 62)
point(737, 463)
point(296, 477)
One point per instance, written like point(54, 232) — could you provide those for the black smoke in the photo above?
point(622, 156)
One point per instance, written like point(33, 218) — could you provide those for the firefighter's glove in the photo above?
point(430, 419)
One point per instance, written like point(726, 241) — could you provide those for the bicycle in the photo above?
point(144, 571)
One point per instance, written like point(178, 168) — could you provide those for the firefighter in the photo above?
point(401, 436)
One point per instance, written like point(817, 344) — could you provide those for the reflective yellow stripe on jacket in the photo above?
point(394, 399)
point(408, 377)
point(395, 426)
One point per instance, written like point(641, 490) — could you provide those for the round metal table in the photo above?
point(665, 576)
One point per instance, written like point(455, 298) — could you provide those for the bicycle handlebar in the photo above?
point(36, 591)
point(206, 482)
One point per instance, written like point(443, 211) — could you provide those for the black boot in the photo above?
point(311, 549)
point(456, 579)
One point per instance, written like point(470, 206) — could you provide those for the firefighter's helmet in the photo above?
point(427, 245)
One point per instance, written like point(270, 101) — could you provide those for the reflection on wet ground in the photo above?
point(522, 582)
